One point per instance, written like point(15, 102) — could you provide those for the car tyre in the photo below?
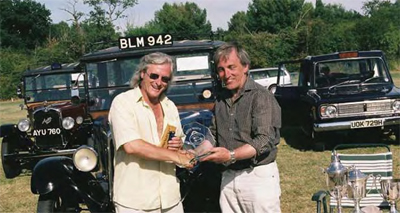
point(10, 166)
point(49, 203)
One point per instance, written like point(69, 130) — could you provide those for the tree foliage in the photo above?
point(183, 20)
point(24, 24)
point(272, 16)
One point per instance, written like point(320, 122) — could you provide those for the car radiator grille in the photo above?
point(47, 123)
point(365, 107)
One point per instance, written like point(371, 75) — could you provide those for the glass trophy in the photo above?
point(199, 140)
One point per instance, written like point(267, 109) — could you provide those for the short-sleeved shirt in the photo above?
point(254, 118)
point(140, 183)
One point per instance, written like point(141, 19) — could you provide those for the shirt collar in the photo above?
point(138, 97)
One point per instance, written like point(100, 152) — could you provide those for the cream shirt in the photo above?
point(140, 183)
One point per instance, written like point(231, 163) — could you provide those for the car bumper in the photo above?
point(346, 125)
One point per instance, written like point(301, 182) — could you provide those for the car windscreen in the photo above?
point(106, 79)
point(53, 87)
point(342, 72)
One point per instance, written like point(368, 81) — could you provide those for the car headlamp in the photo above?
point(85, 158)
point(79, 120)
point(396, 105)
point(24, 125)
point(207, 93)
point(328, 111)
point(68, 123)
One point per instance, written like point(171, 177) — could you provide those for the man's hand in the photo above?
point(185, 159)
point(175, 144)
point(218, 155)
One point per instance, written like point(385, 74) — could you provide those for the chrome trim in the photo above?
point(345, 125)
point(28, 155)
point(362, 108)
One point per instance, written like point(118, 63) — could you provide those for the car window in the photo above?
point(259, 75)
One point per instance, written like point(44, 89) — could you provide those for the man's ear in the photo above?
point(246, 69)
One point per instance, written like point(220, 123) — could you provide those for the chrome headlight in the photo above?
point(396, 105)
point(206, 93)
point(79, 120)
point(328, 111)
point(68, 123)
point(24, 125)
point(85, 158)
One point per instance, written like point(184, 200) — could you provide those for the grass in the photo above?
point(300, 169)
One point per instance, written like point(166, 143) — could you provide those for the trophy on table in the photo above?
point(357, 184)
point(390, 191)
point(336, 180)
point(199, 140)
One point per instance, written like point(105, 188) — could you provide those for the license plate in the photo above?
point(366, 123)
point(145, 41)
point(48, 131)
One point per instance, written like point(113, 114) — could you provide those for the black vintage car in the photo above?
point(85, 180)
point(56, 121)
point(348, 92)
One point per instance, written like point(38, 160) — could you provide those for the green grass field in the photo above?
point(300, 170)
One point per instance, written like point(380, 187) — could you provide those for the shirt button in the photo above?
point(230, 129)
point(231, 114)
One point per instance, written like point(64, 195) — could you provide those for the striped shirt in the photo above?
point(254, 118)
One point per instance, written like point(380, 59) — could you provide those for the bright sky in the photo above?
point(219, 12)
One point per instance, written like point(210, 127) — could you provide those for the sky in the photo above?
point(219, 12)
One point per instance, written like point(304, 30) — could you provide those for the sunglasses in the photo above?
point(155, 76)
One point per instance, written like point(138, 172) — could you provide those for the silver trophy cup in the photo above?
point(357, 187)
point(336, 180)
point(390, 191)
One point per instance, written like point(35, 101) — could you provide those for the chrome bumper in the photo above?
point(346, 125)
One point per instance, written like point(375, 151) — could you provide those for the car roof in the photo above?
point(47, 70)
point(177, 46)
point(263, 69)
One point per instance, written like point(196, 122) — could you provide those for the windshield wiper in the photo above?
point(344, 82)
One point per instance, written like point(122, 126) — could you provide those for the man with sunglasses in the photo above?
point(144, 174)
point(246, 126)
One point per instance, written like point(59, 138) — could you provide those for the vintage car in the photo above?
point(268, 77)
point(56, 121)
point(84, 181)
point(343, 92)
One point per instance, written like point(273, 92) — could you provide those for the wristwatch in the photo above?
point(232, 160)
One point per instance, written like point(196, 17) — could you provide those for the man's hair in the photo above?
point(224, 50)
point(157, 58)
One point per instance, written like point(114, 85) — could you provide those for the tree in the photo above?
point(238, 23)
point(380, 28)
point(272, 16)
point(114, 8)
point(12, 64)
point(184, 21)
point(23, 24)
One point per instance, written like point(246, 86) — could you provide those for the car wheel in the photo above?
point(53, 202)
point(272, 88)
point(10, 166)
point(49, 203)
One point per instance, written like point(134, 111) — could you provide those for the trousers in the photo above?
point(251, 190)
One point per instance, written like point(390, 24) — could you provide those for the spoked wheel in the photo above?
point(52, 202)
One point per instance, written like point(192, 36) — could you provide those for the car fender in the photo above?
point(7, 129)
point(58, 173)
point(51, 173)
